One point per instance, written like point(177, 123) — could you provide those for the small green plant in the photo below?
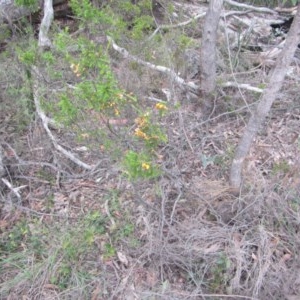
point(27, 3)
point(97, 88)
point(95, 221)
point(139, 165)
point(67, 110)
point(184, 42)
point(147, 131)
point(109, 251)
point(140, 26)
point(281, 167)
point(62, 276)
point(27, 57)
point(4, 32)
point(22, 236)
point(85, 10)
point(218, 272)
point(11, 241)
point(48, 57)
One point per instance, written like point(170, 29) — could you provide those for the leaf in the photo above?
point(122, 258)
point(254, 257)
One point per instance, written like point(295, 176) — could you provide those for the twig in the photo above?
point(2, 170)
point(189, 21)
point(14, 190)
point(225, 114)
point(174, 207)
point(112, 221)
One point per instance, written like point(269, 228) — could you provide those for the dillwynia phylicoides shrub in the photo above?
point(96, 87)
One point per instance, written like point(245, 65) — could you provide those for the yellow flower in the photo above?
point(145, 166)
point(75, 69)
point(120, 96)
point(140, 121)
point(138, 132)
point(117, 112)
point(160, 106)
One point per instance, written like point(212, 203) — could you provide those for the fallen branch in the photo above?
point(187, 22)
point(245, 86)
point(45, 120)
point(161, 69)
point(254, 8)
point(174, 76)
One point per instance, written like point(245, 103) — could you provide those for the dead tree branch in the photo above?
point(161, 69)
point(173, 75)
point(45, 120)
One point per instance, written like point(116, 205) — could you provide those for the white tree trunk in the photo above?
point(276, 79)
point(44, 40)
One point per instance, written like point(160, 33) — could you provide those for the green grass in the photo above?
point(63, 253)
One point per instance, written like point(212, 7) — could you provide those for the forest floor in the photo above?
point(95, 234)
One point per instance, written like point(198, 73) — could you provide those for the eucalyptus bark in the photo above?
point(276, 79)
point(208, 52)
